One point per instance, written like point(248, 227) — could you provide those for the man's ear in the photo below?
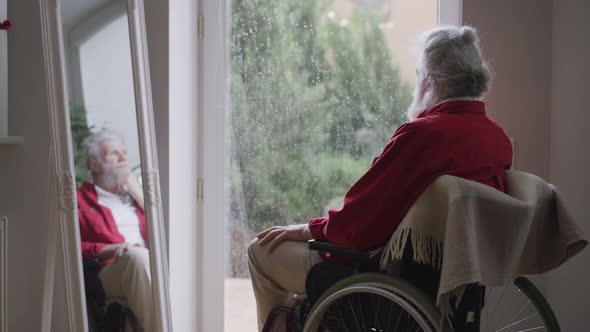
point(94, 166)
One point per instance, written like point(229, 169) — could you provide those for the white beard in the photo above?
point(108, 177)
point(422, 100)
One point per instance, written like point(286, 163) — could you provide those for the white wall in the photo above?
point(107, 83)
point(516, 39)
point(569, 289)
point(539, 52)
point(24, 168)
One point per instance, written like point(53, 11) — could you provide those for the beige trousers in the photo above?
point(128, 277)
point(278, 276)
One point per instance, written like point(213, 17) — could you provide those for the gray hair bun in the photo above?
point(453, 61)
point(468, 35)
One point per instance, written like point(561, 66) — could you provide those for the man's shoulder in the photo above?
point(419, 127)
point(83, 188)
point(85, 193)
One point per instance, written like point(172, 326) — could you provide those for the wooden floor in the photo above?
point(240, 307)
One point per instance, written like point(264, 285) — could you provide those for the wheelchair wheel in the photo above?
point(373, 302)
point(517, 307)
point(378, 302)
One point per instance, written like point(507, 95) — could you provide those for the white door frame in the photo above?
point(450, 12)
point(212, 104)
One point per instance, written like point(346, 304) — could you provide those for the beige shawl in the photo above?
point(489, 237)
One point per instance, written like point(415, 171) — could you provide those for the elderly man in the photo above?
point(448, 133)
point(112, 224)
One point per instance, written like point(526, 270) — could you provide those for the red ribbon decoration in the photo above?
point(5, 25)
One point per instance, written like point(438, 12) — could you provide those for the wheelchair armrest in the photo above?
point(361, 256)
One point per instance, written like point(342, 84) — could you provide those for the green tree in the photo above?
point(80, 130)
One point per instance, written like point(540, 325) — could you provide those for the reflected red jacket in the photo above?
point(97, 225)
point(452, 138)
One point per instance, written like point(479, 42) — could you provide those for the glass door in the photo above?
point(316, 88)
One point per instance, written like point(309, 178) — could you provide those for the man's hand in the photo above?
point(123, 173)
point(277, 234)
point(115, 250)
point(135, 190)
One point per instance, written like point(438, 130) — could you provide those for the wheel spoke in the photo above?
point(397, 322)
point(324, 325)
point(518, 322)
point(533, 329)
point(521, 310)
point(353, 314)
point(376, 310)
point(361, 314)
point(391, 306)
point(411, 321)
point(341, 319)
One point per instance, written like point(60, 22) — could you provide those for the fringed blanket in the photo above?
point(474, 233)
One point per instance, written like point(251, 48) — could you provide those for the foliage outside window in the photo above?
point(80, 130)
point(314, 98)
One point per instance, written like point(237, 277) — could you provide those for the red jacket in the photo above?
point(97, 225)
point(454, 138)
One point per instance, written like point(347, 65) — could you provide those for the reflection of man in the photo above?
point(448, 133)
point(112, 224)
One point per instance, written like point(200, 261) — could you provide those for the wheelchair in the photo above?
point(105, 315)
point(358, 296)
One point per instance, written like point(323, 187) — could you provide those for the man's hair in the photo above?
point(91, 145)
point(453, 64)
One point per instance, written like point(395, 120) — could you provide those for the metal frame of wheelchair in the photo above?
point(359, 280)
point(104, 315)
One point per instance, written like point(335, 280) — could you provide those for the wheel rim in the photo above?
point(414, 321)
point(517, 307)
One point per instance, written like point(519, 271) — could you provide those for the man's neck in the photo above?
point(106, 185)
point(457, 98)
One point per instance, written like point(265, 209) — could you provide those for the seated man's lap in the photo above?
point(132, 264)
point(287, 265)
